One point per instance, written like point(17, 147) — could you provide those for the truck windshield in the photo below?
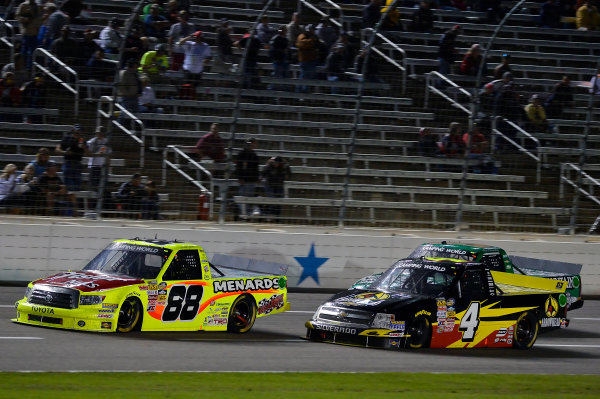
point(435, 252)
point(139, 261)
point(421, 279)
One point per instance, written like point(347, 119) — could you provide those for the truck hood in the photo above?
point(373, 301)
point(89, 281)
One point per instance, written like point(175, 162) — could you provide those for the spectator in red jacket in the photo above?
point(211, 145)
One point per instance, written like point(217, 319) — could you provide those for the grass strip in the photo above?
point(149, 385)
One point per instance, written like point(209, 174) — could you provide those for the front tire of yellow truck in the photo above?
point(130, 315)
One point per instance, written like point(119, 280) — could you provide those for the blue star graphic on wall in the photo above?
point(310, 264)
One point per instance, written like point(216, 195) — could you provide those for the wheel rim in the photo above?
point(241, 315)
point(523, 331)
point(418, 331)
point(129, 315)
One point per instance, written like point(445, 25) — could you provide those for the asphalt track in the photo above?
point(276, 344)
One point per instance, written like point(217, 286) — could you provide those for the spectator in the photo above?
point(550, 14)
point(447, 50)
point(9, 195)
point(507, 102)
point(56, 194)
point(595, 85)
point(392, 20)
point(371, 14)
point(65, 48)
point(197, 54)
point(30, 193)
point(427, 145)
point(155, 24)
point(536, 115)
point(29, 15)
point(503, 67)
point(40, 164)
point(131, 195)
point(33, 94)
point(247, 173)
point(294, 29)
point(177, 32)
point(148, 97)
point(224, 42)
point(562, 96)
point(279, 54)
point(73, 148)
point(135, 44)
point(264, 32)
point(307, 55)
point(147, 8)
point(472, 60)
point(422, 19)
point(274, 175)
point(479, 148)
point(73, 8)
point(588, 17)
point(86, 48)
point(151, 202)
point(452, 144)
point(370, 72)
point(335, 64)
point(155, 63)
point(487, 101)
point(17, 67)
point(55, 20)
point(211, 145)
point(100, 69)
point(327, 34)
point(251, 41)
point(129, 86)
point(99, 151)
point(110, 38)
point(11, 95)
point(172, 12)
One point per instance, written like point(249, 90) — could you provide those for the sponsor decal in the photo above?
point(162, 285)
point(335, 329)
point(153, 297)
point(152, 287)
point(110, 305)
point(551, 307)
point(385, 320)
point(423, 313)
point(559, 285)
point(143, 288)
point(553, 322)
point(153, 282)
point(39, 309)
point(81, 323)
point(450, 302)
point(266, 306)
point(215, 320)
point(254, 284)
point(152, 292)
point(434, 267)
point(366, 298)
point(162, 292)
point(106, 310)
point(105, 316)
point(106, 325)
point(151, 308)
point(136, 248)
point(162, 297)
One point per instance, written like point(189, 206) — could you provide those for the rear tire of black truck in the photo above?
point(242, 315)
point(526, 331)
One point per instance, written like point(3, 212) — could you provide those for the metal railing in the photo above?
point(432, 79)
point(49, 65)
point(402, 66)
point(117, 114)
point(181, 153)
point(565, 178)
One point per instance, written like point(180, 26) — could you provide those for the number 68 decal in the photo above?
point(183, 303)
point(470, 322)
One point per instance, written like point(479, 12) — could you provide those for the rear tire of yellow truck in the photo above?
point(241, 315)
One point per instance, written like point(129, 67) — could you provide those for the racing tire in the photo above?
point(526, 331)
point(242, 315)
point(420, 333)
point(130, 315)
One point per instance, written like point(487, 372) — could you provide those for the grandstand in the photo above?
point(360, 162)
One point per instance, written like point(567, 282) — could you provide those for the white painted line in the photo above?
point(7, 306)
point(300, 311)
point(569, 345)
point(21, 338)
point(585, 318)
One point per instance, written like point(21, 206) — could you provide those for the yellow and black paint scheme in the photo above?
point(478, 308)
point(100, 301)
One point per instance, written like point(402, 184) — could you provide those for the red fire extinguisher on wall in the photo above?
point(203, 207)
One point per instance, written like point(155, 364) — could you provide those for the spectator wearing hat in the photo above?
point(55, 20)
point(177, 32)
point(33, 94)
point(99, 152)
point(447, 49)
point(100, 69)
point(422, 19)
point(307, 55)
point(197, 55)
point(247, 173)
point(224, 42)
point(154, 63)
point(536, 115)
point(253, 45)
point(73, 148)
point(279, 49)
point(274, 174)
point(129, 86)
point(29, 15)
point(427, 144)
point(472, 60)
point(58, 198)
point(110, 38)
point(155, 24)
point(562, 96)
point(503, 67)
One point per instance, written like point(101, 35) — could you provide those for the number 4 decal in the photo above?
point(470, 322)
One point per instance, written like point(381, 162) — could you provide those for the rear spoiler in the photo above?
point(251, 265)
point(546, 265)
